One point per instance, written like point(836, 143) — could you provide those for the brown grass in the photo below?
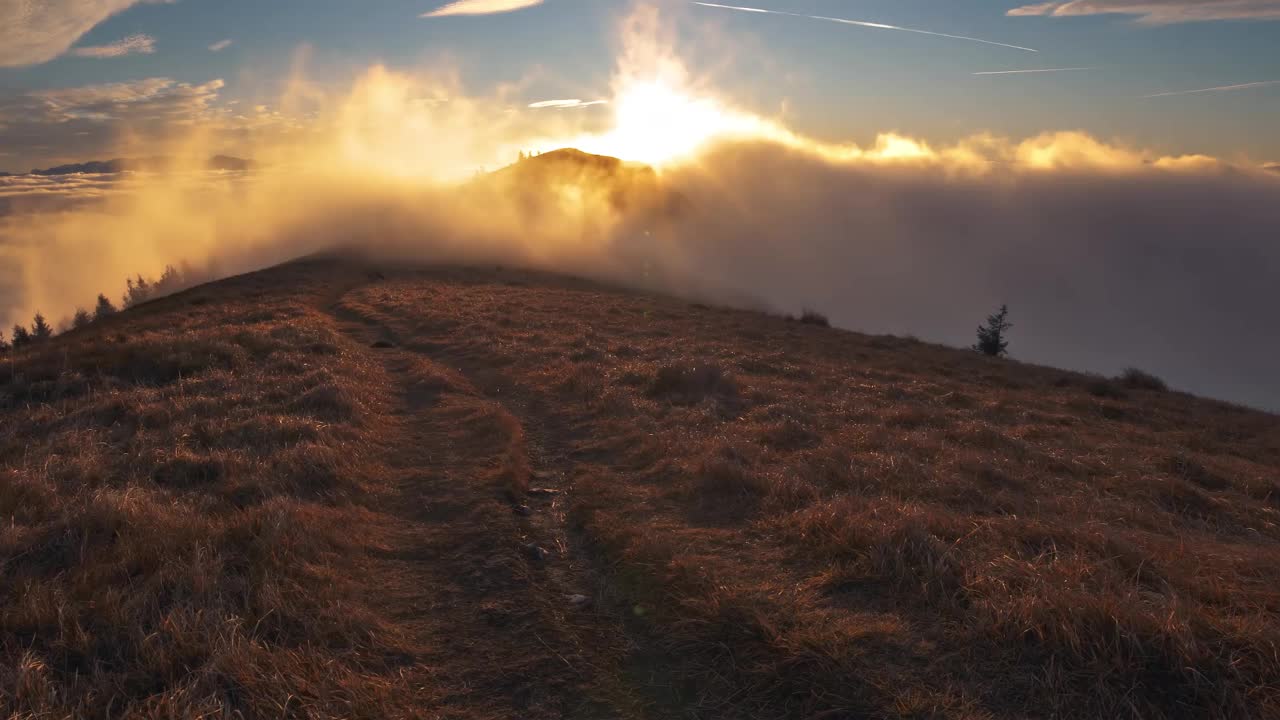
point(772, 519)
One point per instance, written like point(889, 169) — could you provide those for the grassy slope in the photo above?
point(227, 501)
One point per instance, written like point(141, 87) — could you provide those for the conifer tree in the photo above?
point(104, 308)
point(991, 337)
point(82, 318)
point(21, 337)
point(40, 329)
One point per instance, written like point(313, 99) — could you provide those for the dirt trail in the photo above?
point(480, 577)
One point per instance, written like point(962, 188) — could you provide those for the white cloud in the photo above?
point(565, 104)
point(221, 45)
point(481, 7)
point(37, 31)
point(1216, 88)
point(1160, 11)
point(134, 44)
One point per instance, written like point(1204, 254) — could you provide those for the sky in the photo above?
point(76, 74)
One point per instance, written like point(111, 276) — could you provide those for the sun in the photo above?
point(657, 123)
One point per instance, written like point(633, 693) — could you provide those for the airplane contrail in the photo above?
point(1220, 88)
point(860, 23)
point(1038, 70)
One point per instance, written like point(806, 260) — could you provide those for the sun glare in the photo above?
point(656, 123)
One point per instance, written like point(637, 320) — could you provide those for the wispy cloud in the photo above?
point(1159, 12)
point(133, 45)
point(1219, 88)
point(862, 23)
point(221, 45)
point(566, 104)
point(36, 32)
point(481, 7)
point(1034, 70)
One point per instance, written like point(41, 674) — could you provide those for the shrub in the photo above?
point(991, 337)
point(813, 317)
point(692, 383)
point(1136, 379)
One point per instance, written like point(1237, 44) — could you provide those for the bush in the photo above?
point(813, 317)
point(1136, 379)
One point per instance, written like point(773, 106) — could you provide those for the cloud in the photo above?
point(221, 45)
point(1159, 12)
point(134, 44)
point(1219, 88)
point(861, 23)
point(149, 99)
point(566, 104)
point(37, 31)
point(1037, 70)
point(81, 123)
point(481, 7)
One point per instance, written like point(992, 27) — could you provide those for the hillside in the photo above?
point(335, 489)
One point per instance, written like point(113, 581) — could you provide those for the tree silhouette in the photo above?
point(991, 337)
point(40, 329)
point(4, 346)
point(104, 308)
point(82, 318)
point(139, 291)
point(21, 337)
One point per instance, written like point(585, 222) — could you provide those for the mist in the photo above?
point(1108, 256)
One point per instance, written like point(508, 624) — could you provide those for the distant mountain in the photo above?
point(158, 163)
point(1273, 167)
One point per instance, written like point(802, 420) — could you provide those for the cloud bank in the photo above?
point(37, 31)
point(134, 44)
point(1159, 12)
point(481, 7)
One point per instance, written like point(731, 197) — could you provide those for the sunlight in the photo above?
point(657, 123)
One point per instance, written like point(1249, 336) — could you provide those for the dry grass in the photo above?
point(821, 524)
point(783, 520)
point(181, 497)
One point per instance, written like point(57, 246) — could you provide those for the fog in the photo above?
point(1108, 256)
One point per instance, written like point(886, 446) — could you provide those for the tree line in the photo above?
point(138, 289)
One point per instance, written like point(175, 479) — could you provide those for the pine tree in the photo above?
point(21, 337)
point(138, 292)
point(991, 337)
point(104, 308)
point(40, 329)
point(82, 318)
point(4, 346)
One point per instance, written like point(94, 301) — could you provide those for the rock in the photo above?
point(536, 552)
point(522, 510)
point(578, 600)
point(543, 491)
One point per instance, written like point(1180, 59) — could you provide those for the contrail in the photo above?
point(1040, 70)
point(1220, 88)
point(860, 23)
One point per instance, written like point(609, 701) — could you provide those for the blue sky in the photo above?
point(833, 81)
